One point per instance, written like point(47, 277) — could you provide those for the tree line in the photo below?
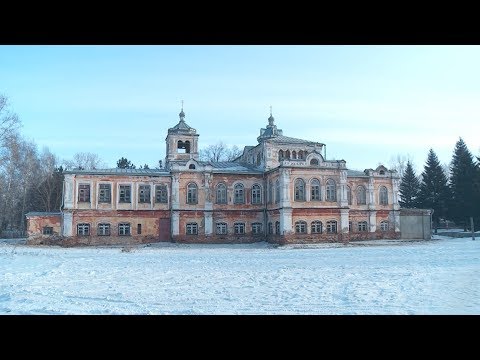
point(452, 193)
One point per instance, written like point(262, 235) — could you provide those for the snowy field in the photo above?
point(440, 276)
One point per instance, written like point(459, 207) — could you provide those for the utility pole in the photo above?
point(472, 227)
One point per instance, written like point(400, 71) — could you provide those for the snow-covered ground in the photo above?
point(439, 276)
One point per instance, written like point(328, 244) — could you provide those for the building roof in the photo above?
point(356, 173)
point(46, 213)
point(117, 171)
point(290, 140)
point(182, 125)
point(234, 167)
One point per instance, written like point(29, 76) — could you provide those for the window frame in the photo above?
point(223, 227)
point(299, 190)
point(47, 230)
point(361, 191)
point(161, 193)
point(122, 227)
point(239, 193)
point(192, 193)
point(383, 195)
point(300, 227)
point(384, 225)
point(362, 226)
point(330, 224)
point(314, 227)
point(221, 189)
point(257, 228)
point(191, 228)
point(103, 229)
point(314, 194)
point(85, 227)
point(144, 193)
point(331, 190)
point(105, 193)
point(256, 194)
point(84, 193)
point(127, 193)
point(239, 228)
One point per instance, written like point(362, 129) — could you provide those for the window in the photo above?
point(350, 226)
point(125, 193)
point(299, 190)
point(124, 229)
point(144, 193)
point(287, 154)
point(315, 190)
point(183, 147)
point(257, 228)
point(382, 172)
point(239, 228)
point(105, 193)
point(270, 228)
point(349, 195)
point(280, 155)
point(270, 192)
point(383, 195)
point(83, 229)
point(300, 155)
point(384, 225)
point(47, 230)
point(331, 190)
point(316, 227)
point(259, 159)
point(161, 194)
point(84, 193)
point(314, 162)
point(361, 195)
point(277, 227)
point(294, 154)
point(221, 194)
point(256, 194)
point(239, 194)
point(192, 229)
point(301, 227)
point(331, 227)
point(103, 229)
point(221, 228)
point(191, 166)
point(277, 191)
point(192, 193)
point(139, 229)
point(362, 226)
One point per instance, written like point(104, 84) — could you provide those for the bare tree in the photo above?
point(399, 163)
point(84, 161)
point(220, 152)
point(9, 122)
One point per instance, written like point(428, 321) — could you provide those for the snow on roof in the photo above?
point(356, 173)
point(117, 171)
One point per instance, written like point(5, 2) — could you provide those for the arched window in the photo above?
point(299, 190)
point(191, 166)
point(314, 162)
point(280, 155)
point(256, 194)
point(300, 154)
point(192, 193)
point(382, 172)
point(361, 195)
point(332, 227)
point(383, 195)
point(294, 154)
point(301, 227)
point(349, 195)
point(331, 190)
point(315, 190)
point(277, 227)
point(187, 147)
point(183, 147)
point(362, 226)
point(277, 191)
point(239, 194)
point(270, 192)
point(384, 225)
point(316, 227)
point(221, 194)
point(103, 229)
point(287, 154)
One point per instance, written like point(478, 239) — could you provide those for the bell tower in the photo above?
point(182, 142)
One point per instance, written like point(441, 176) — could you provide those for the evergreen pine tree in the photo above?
point(409, 188)
point(434, 191)
point(464, 176)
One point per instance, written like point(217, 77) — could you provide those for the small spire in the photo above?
point(182, 114)
point(271, 119)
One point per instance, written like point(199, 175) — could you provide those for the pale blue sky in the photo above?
point(367, 103)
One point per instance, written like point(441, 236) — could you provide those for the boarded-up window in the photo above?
point(144, 193)
point(84, 193)
point(125, 193)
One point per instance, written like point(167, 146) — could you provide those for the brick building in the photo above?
point(281, 190)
